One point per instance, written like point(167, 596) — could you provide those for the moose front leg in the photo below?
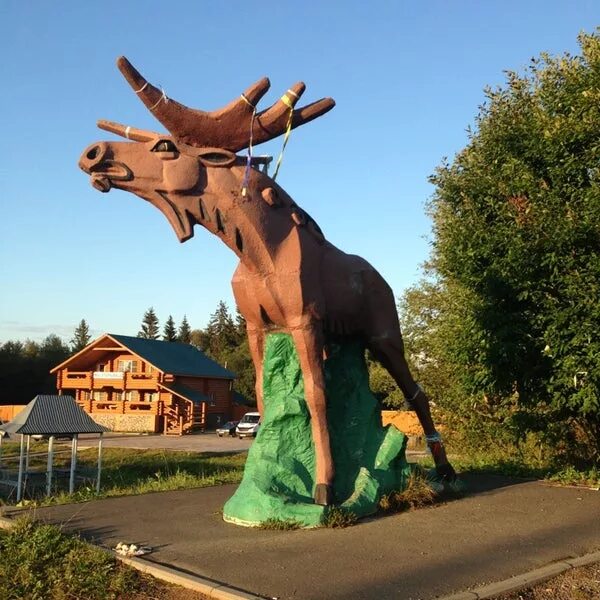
point(309, 346)
point(256, 343)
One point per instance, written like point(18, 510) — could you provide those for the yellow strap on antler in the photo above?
point(288, 128)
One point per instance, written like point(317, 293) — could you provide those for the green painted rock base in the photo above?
point(278, 482)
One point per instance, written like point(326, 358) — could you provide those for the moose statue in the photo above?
point(289, 279)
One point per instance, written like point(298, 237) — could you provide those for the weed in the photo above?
point(338, 517)
point(280, 524)
point(418, 493)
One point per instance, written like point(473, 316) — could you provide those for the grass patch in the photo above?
point(129, 471)
point(280, 524)
point(418, 494)
point(39, 562)
point(338, 517)
point(514, 467)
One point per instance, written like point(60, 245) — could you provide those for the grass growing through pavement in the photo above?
point(280, 524)
point(128, 471)
point(418, 493)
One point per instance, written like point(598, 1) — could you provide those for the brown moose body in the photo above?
point(290, 278)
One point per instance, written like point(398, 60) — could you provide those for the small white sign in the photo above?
point(108, 375)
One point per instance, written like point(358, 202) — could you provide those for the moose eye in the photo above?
point(165, 146)
point(217, 158)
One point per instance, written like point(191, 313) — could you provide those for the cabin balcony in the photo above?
point(88, 380)
point(122, 407)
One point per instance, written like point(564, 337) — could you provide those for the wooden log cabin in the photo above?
point(135, 384)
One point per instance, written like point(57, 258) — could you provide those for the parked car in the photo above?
point(248, 426)
point(227, 429)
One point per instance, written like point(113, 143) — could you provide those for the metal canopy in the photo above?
point(52, 415)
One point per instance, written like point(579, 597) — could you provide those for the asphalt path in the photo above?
point(195, 442)
point(503, 527)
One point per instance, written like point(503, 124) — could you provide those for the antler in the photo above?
point(229, 127)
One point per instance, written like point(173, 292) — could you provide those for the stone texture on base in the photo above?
point(278, 482)
point(134, 423)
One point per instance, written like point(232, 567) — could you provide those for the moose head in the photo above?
point(194, 170)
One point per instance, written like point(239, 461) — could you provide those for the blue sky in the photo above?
point(407, 78)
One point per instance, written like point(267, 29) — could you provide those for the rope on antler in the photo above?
point(162, 97)
point(288, 128)
point(249, 158)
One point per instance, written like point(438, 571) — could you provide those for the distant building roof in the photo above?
point(174, 357)
point(52, 415)
point(169, 357)
point(185, 392)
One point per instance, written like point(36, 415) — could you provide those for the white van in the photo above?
point(248, 426)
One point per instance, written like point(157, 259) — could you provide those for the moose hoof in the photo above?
point(323, 494)
point(446, 473)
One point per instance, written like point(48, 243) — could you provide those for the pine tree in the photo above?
point(81, 336)
point(183, 335)
point(221, 332)
point(169, 331)
point(149, 330)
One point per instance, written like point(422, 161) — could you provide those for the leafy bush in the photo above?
point(512, 312)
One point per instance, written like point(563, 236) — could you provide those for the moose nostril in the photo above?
point(93, 152)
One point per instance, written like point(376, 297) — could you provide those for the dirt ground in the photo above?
point(582, 583)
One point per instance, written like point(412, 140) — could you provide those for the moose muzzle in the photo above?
point(96, 161)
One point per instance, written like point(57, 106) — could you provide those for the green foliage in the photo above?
point(280, 525)
point(127, 472)
point(383, 386)
point(39, 562)
point(149, 330)
point(516, 264)
point(184, 331)
point(337, 517)
point(418, 494)
point(225, 341)
point(25, 366)
point(169, 331)
point(81, 337)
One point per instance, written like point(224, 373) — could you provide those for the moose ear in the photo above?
point(131, 133)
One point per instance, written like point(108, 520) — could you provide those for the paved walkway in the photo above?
point(503, 528)
point(195, 442)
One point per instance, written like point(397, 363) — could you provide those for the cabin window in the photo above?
point(101, 367)
point(127, 366)
point(100, 396)
point(117, 396)
point(151, 396)
point(133, 396)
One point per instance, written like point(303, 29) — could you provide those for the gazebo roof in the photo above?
point(52, 415)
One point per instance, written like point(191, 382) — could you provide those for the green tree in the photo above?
point(149, 328)
point(184, 332)
point(81, 336)
point(221, 333)
point(517, 241)
point(224, 340)
point(169, 330)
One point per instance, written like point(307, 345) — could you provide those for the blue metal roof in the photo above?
point(185, 392)
point(174, 357)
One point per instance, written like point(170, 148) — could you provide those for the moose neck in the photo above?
point(254, 226)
